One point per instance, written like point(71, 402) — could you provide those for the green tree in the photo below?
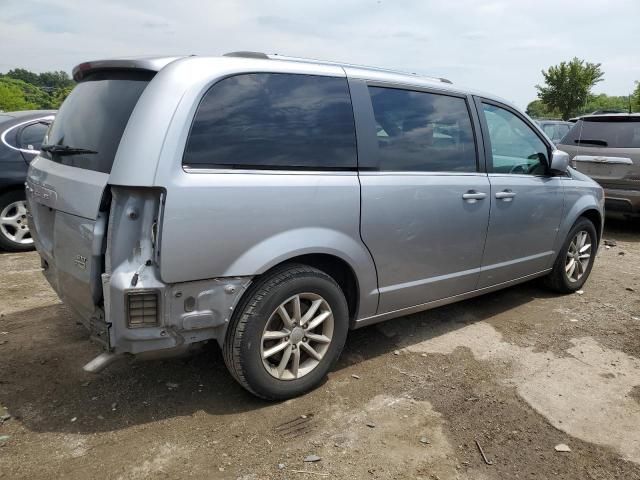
point(59, 96)
point(19, 95)
point(636, 98)
point(48, 80)
point(538, 109)
point(22, 89)
point(605, 102)
point(55, 80)
point(567, 85)
point(24, 75)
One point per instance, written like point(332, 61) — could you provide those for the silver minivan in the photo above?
point(273, 203)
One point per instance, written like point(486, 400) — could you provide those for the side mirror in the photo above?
point(559, 161)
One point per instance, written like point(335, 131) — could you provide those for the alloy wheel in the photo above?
point(578, 256)
point(13, 223)
point(297, 336)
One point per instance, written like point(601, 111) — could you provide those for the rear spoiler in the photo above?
point(150, 64)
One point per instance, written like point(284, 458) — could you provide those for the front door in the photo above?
point(526, 201)
point(425, 204)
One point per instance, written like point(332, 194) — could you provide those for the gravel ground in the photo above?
point(519, 372)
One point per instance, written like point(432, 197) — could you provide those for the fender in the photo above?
point(578, 201)
point(286, 245)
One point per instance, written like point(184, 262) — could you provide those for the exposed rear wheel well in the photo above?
point(594, 217)
point(339, 270)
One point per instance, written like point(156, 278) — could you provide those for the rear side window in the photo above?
point(274, 120)
point(419, 131)
point(94, 116)
point(32, 135)
point(612, 132)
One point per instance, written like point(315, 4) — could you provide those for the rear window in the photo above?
point(606, 132)
point(555, 131)
point(32, 135)
point(94, 117)
point(274, 121)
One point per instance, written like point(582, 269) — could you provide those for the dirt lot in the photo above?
point(519, 371)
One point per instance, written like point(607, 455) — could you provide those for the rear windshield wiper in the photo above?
point(600, 143)
point(66, 150)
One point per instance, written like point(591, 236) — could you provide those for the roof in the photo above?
point(252, 60)
point(610, 116)
point(27, 113)
point(12, 119)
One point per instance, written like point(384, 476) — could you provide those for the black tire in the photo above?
point(243, 342)
point(7, 243)
point(558, 280)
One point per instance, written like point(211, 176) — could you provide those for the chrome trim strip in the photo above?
point(363, 322)
point(603, 159)
point(417, 283)
point(377, 173)
point(269, 171)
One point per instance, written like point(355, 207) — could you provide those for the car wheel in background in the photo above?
point(14, 231)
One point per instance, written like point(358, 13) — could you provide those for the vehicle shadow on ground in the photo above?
point(626, 230)
point(43, 385)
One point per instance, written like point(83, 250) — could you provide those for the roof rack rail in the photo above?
point(276, 56)
point(261, 55)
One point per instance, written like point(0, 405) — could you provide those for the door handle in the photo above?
point(472, 196)
point(506, 195)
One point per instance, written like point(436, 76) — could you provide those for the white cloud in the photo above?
point(495, 46)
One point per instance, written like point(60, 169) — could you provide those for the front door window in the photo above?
point(515, 147)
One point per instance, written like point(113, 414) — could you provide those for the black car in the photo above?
point(21, 135)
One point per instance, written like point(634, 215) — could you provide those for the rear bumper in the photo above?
point(622, 201)
point(187, 312)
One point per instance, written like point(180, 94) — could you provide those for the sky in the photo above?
point(495, 46)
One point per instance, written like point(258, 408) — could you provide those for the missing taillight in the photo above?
point(143, 309)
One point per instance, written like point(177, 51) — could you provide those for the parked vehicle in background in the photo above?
point(21, 134)
point(598, 112)
point(607, 148)
point(273, 203)
point(555, 129)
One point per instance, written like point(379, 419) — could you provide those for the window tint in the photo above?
point(273, 120)
point(515, 147)
point(94, 117)
point(612, 132)
point(32, 135)
point(419, 131)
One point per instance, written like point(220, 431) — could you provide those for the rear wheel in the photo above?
point(575, 259)
point(14, 231)
point(287, 332)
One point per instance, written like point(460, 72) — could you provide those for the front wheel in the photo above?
point(575, 259)
point(287, 332)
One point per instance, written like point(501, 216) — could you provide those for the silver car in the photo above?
point(273, 203)
point(607, 148)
